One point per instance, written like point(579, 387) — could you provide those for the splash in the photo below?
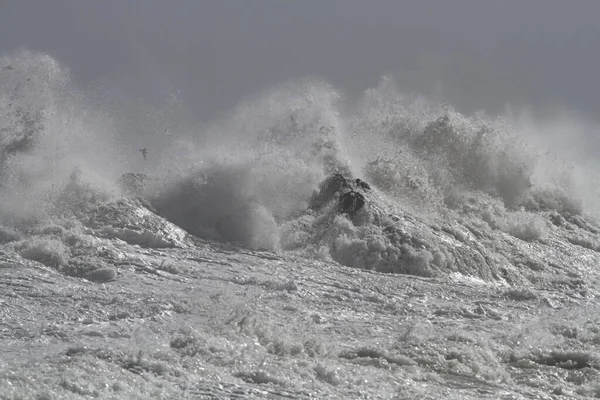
point(249, 177)
point(257, 169)
point(48, 136)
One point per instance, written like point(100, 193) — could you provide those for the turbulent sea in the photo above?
point(218, 263)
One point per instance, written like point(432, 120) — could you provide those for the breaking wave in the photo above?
point(249, 177)
point(49, 134)
point(257, 169)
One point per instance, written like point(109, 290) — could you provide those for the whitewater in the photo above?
point(299, 246)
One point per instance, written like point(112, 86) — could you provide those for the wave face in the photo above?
point(249, 177)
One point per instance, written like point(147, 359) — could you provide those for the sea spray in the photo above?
point(248, 177)
point(258, 168)
point(48, 133)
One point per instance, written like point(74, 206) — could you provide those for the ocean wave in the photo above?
point(48, 132)
point(441, 182)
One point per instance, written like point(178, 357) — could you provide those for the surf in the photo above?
point(439, 180)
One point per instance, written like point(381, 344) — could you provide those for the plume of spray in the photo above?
point(240, 178)
point(50, 139)
point(567, 166)
point(433, 156)
point(245, 177)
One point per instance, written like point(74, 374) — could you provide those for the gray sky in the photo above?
point(481, 53)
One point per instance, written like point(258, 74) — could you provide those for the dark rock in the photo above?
point(328, 190)
point(362, 184)
point(351, 202)
point(348, 192)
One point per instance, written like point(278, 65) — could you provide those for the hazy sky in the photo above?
point(478, 53)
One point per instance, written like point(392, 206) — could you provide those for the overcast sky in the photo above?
point(478, 53)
